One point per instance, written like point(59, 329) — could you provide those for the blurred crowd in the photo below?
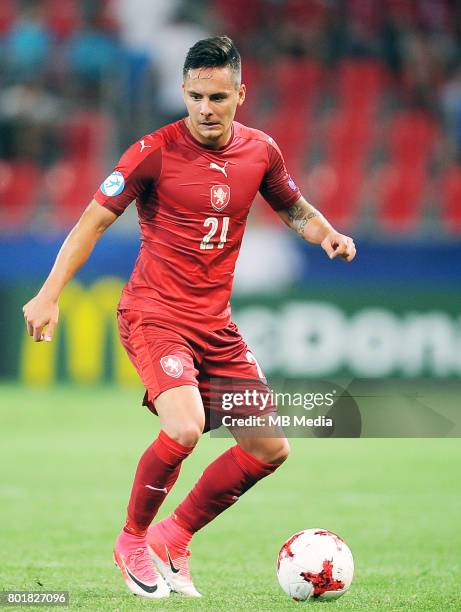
point(363, 95)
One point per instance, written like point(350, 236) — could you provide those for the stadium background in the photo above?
point(364, 98)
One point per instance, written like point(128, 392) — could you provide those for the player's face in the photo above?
point(212, 96)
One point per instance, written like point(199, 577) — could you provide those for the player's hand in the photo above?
point(41, 317)
point(335, 244)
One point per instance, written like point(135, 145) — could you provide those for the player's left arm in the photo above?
point(310, 224)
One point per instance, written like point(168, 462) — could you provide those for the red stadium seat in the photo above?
point(451, 199)
point(308, 14)
point(336, 189)
point(69, 187)
point(239, 16)
point(297, 83)
point(84, 136)
point(19, 188)
point(348, 137)
point(290, 136)
point(62, 17)
point(252, 76)
point(412, 136)
point(360, 84)
point(401, 197)
point(8, 11)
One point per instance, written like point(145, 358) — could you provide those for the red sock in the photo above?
point(172, 532)
point(220, 485)
point(156, 473)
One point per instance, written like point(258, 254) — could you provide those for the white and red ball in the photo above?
point(315, 563)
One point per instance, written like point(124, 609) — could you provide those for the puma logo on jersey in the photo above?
point(222, 169)
point(144, 146)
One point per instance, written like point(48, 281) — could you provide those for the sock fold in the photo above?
point(169, 450)
point(251, 464)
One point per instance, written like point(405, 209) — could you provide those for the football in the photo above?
point(315, 563)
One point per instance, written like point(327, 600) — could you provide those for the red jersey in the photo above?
point(193, 203)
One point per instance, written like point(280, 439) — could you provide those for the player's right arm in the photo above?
point(136, 171)
point(41, 313)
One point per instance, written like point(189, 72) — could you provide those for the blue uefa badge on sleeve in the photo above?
point(292, 184)
point(113, 185)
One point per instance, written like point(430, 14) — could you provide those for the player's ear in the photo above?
point(242, 94)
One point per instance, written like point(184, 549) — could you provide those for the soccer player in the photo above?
point(194, 182)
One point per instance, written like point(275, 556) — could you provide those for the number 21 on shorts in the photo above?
point(213, 224)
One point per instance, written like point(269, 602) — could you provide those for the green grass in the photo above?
point(67, 456)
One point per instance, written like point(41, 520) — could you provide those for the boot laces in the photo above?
point(141, 563)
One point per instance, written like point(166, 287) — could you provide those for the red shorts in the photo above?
point(170, 355)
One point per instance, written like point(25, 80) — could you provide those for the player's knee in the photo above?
point(281, 452)
point(275, 452)
point(188, 434)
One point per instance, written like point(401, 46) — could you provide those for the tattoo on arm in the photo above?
point(299, 216)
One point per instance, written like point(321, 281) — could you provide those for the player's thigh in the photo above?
point(232, 379)
point(229, 356)
point(165, 363)
point(181, 413)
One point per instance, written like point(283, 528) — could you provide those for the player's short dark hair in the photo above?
point(214, 52)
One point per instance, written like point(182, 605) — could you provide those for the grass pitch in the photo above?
point(67, 456)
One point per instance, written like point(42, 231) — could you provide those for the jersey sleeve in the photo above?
point(136, 172)
point(277, 186)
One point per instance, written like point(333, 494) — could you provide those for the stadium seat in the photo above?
point(336, 189)
point(252, 75)
point(411, 137)
point(290, 120)
point(348, 137)
point(400, 196)
point(450, 193)
point(84, 136)
point(290, 136)
point(360, 83)
point(62, 17)
point(312, 14)
point(69, 187)
point(297, 83)
point(19, 188)
point(8, 11)
point(239, 16)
